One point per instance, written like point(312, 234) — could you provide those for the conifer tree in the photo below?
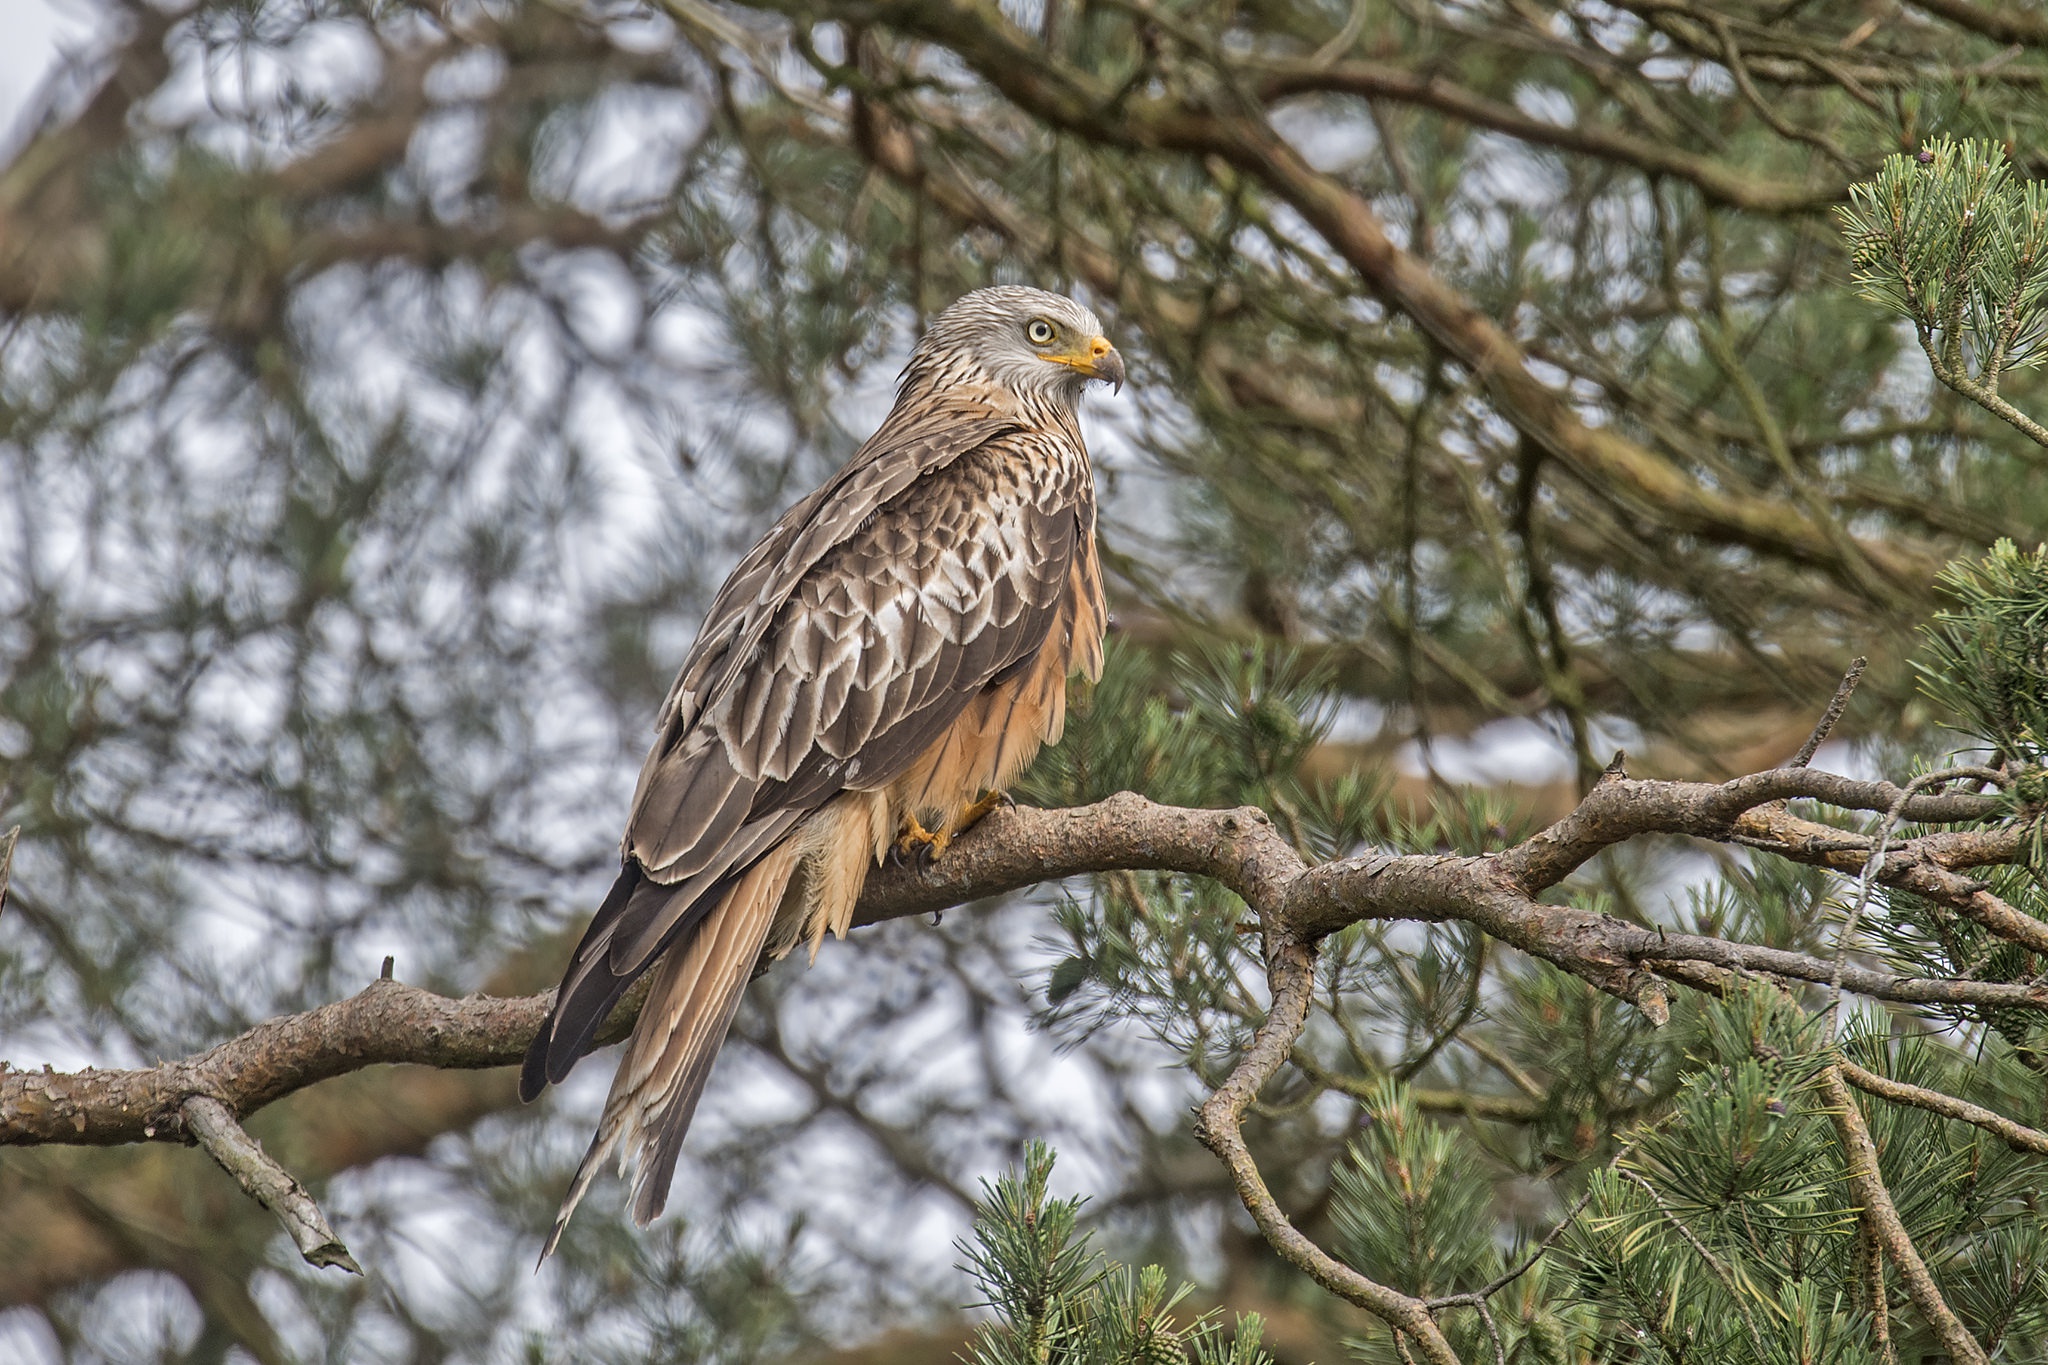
point(383, 388)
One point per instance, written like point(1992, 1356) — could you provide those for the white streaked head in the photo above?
point(1028, 341)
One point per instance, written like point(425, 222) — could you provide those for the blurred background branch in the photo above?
point(383, 388)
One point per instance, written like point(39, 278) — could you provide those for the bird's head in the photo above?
point(1024, 340)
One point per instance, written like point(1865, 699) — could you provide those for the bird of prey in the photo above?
point(874, 673)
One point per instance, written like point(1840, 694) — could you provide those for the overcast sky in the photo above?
point(37, 31)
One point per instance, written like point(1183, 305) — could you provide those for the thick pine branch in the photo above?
point(390, 1022)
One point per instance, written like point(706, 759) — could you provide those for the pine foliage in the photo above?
point(1057, 1302)
point(1691, 1173)
point(372, 432)
point(1953, 239)
point(1986, 658)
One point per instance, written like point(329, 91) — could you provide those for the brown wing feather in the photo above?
point(909, 446)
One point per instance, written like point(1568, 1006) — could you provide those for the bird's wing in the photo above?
point(908, 605)
point(896, 456)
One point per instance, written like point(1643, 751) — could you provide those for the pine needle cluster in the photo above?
point(1953, 239)
point(1057, 1302)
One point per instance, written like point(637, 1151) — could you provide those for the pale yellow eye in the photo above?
point(1039, 332)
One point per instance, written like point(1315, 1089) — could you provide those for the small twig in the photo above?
point(1831, 717)
point(1732, 61)
point(263, 1180)
point(1500, 1348)
point(1477, 1298)
point(1871, 865)
point(7, 842)
point(1867, 1184)
point(1341, 42)
point(1504, 1064)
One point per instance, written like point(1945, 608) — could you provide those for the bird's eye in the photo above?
point(1039, 332)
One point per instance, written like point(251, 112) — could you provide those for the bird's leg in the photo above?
point(928, 844)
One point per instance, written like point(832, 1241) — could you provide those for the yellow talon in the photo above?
point(926, 844)
point(971, 817)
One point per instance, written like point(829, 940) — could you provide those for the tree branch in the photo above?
point(1377, 80)
point(390, 1022)
point(2017, 1136)
point(2000, 23)
point(1869, 1188)
point(268, 1183)
point(1220, 1126)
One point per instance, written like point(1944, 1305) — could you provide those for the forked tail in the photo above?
point(689, 1007)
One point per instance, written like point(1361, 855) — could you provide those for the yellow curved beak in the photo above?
point(1098, 360)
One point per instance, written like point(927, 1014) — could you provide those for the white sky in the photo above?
point(33, 34)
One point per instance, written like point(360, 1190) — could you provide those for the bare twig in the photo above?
point(1732, 61)
point(1478, 1297)
point(7, 843)
point(1867, 878)
point(1505, 1065)
point(1323, 73)
point(1831, 717)
point(1462, 1103)
point(268, 1183)
point(1867, 1185)
point(1704, 1253)
point(1500, 1349)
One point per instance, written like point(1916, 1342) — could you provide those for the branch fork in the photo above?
point(214, 1128)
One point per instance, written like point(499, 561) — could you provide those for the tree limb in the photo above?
point(2015, 1135)
point(1653, 156)
point(268, 1183)
point(391, 1022)
point(1220, 1126)
point(1883, 1215)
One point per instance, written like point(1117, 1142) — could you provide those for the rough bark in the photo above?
point(392, 1022)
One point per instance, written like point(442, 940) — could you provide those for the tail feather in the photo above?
point(591, 989)
point(690, 1005)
